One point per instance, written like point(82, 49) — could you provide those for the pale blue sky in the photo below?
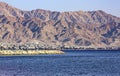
point(109, 6)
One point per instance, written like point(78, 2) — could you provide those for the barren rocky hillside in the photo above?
point(91, 29)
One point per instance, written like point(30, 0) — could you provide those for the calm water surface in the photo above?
point(77, 63)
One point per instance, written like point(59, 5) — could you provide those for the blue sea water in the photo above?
point(72, 63)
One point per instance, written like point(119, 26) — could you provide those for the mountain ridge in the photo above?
point(59, 29)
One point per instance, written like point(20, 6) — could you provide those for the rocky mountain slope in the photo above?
point(91, 29)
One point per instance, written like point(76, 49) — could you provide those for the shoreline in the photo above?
point(41, 52)
point(90, 50)
point(28, 52)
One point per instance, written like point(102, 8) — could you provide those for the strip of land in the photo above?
point(29, 52)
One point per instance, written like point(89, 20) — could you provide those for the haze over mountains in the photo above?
point(59, 29)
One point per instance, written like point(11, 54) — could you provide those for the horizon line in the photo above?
point(59, 10)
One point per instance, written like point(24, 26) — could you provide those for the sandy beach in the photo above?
point(29, 52)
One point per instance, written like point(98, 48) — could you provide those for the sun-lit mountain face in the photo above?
point(54, 29)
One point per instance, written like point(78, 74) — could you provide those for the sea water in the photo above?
point(72, 63)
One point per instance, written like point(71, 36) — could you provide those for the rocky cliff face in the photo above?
point(59, 29)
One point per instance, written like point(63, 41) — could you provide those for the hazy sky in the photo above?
point(109, 6)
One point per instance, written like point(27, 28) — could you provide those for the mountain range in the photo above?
point(74, 29)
